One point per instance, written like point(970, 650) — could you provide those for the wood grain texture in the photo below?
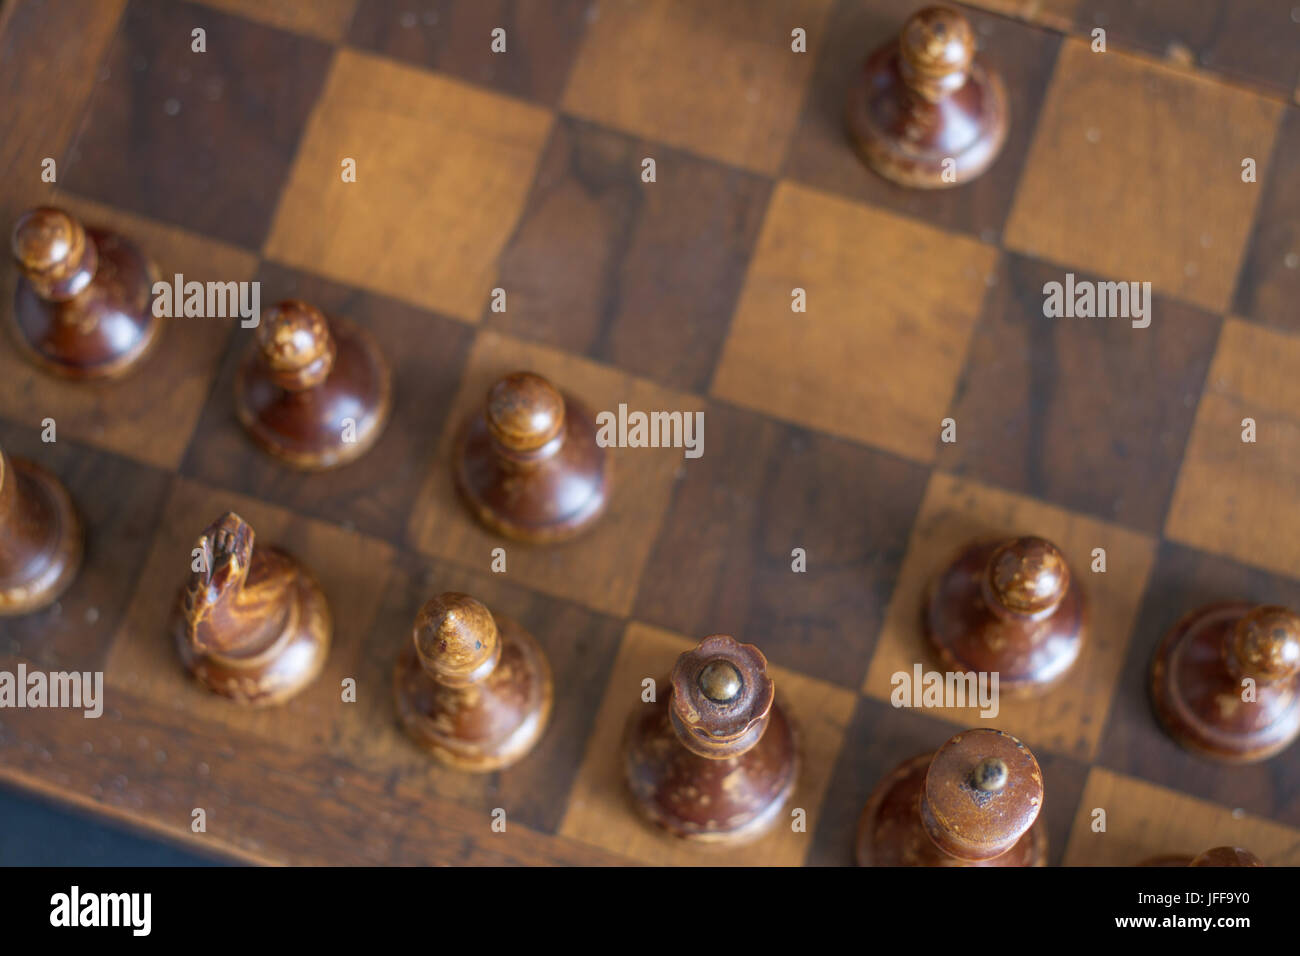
point(475, 153)
point(1108, 127)
point(1269, 281)
point(324, 19)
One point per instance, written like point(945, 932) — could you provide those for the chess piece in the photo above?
point(83, 305)
point(974, 802)
point(251, 625)
point(715, 760)
point(1225, 681)
point(1218, 856)
point(40, 537)
point(472, 689)
point(313, 391)
point(926, 110)
point(528, 464)
point(1009, 607)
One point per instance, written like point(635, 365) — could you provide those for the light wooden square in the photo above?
point(600, 809)
point(1237, 498)
point(324, 19)
point(442, 171)
point(1144, 821)
point(717, 78)
point(1070, 717)
point(1135, 174)
point(890, 307)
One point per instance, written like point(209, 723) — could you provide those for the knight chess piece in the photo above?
point(472, 689)
point(1225, 681)
point(83, 304)
point(974, 802)
point(40, 537)
point(315, 392)
point(926, 110)
point(1009, 607)
point(528, 464)
point(251, 625)
point(716, 759)
point(1216, 857)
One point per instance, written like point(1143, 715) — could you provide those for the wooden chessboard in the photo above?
point(522, 171)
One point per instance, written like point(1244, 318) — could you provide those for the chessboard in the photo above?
point(523, 171)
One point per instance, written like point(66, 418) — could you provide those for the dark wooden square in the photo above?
point(661, 263)
point(1090, 413)
point(821, 153)
point(455, 37)
point(202, 140)
point(1183, 580)
point(723, 561)
point(1268, 285)
point(118, 501)
point(376, 493)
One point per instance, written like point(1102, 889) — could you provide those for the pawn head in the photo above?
point(51, 248)
point(524, 412)
point(296, 344)
point(1028, 575)
point(1266, 643)
point(456, 639)
point(936, 48)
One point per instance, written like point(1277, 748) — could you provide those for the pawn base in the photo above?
point(488, 725)
point(327, 426)
point(44, 576)
point(732, 800)
point(1200, 703)
point(890, 831)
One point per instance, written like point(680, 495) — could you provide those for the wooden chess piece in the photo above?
point(313, 391)
point(1217, 856)
point(528, 464)
point(1009, 607)
point(251, 625)
point(1225, 681)
point(40, 537)
point(472, 689)
point(83, 305)
point(926, 110)
point(974, 802)
point(716, 759)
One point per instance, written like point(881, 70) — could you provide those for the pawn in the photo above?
point(716, 760)
point(528, 464)
point(83, 305)
point(40, 537)
point(974, 802)
point(251, 625)
point(314, 392)
point(1012, 608)
point(926, 111)
point(473, 690)
point(1199, 681)
point(1218, 856)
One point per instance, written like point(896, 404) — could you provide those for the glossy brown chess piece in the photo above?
point(1225, 681)
point(40, 537)
point(83, 305)
point(974, 802)
point(528, 464)
point(472, 689)
point(313, 391)
point(1010, 607)
point(926, 110)
point(716, 759)
point(1217, 856)
point(251, 625)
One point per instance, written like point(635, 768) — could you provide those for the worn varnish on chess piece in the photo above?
point(40, 537)
point(251, 624)
point(716, 759)
point(1225, 681)
point(974, 802)
point(472, 689)
point(927, 105)
point(83, 305)
point(1218, 856)
point(313, 391)
point(528, 463)
point(1011, 607)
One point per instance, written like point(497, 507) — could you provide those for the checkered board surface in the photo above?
point(523, 170)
